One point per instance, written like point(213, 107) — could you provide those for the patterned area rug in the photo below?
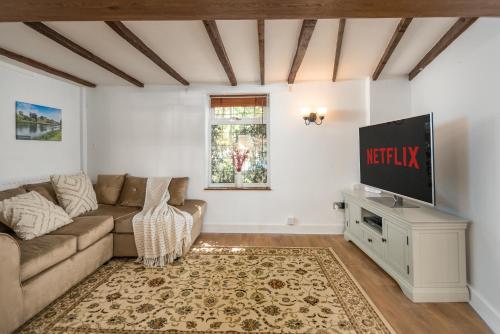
point(218, 290)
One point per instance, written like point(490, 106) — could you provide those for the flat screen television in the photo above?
point(398, 157)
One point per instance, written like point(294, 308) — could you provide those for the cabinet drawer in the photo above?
point(374, 242)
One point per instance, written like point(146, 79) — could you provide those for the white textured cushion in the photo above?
point(74, 193)
point(31, 215)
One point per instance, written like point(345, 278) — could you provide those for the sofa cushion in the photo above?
point(195, 207)
point(6, 194)
point(116, 211)
point(74, 193)
point(87, 230)
point(178, 189)
point(133, 192)
point(45, 189)
point(31, 215)
point(43, 252)
point(121, 214)
point(108, 188)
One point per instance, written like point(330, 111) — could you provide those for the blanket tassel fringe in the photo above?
point(163, 260)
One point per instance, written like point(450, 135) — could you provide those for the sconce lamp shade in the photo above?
point(322, 111)
point(305, 111)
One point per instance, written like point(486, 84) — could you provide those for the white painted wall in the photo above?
point(389, 100)
point(161, 131)
point(24, 160)
point(461, 88)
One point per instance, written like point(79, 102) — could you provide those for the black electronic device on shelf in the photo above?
point(374, 222)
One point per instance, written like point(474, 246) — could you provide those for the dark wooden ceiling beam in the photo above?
point(45, 68)
point(213, 33)
point(72, 46)
point(130, 10)
point(137, 43)
point(261, 30)
point(304, 37)
point(396, 37)
point(456, 30)
point(338, 49)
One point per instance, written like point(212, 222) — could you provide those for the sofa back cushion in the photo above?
point(178, 189)
point(133, 192)
point(6, 194)
point(75, 193)
point(108, 188)
point(31, 215)
point(45, 189)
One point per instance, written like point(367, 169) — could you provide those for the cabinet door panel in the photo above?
point(347, 216)
point(355, 221)
point(374, 242)
point(397, 248)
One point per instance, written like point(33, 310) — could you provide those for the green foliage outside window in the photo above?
point(224, 137)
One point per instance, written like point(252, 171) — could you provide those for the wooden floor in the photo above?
point(404, 316)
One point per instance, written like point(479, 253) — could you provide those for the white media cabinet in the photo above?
point(422, 248)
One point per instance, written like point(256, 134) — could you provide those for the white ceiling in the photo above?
point(185, 46)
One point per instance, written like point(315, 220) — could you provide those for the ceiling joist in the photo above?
point(304, 37)
point(213, 33)
point(260, 32)
point(455, 31)
point(396, 37)
point(132, 10)
point(137, 43)
point(72, 46)
point(338, 49)
point(45, 68)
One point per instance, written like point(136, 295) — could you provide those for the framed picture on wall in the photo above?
point(35, 122)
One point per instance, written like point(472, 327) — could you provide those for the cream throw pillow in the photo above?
point(74, 193)
point(31, 215)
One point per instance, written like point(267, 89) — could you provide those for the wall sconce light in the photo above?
point(313, 117)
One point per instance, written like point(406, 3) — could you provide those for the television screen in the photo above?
point(398, 157)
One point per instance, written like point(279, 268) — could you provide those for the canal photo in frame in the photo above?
point(35, 122)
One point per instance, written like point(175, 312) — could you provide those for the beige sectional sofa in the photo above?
point(35, 272)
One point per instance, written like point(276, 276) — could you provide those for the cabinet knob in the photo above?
point(384, 240)
point(370, 240)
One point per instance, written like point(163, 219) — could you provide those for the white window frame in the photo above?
point(211, 120)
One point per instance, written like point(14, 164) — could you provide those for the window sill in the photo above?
point(234, 188)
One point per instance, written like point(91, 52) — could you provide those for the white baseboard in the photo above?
point(274, 228)
point(485, 310)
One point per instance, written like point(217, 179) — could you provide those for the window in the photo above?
point(238, 122)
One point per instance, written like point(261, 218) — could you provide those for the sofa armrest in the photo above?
point(11, 300)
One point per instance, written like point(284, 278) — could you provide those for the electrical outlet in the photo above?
point(290, 220)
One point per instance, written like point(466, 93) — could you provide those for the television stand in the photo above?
point(393, 202)
point(422, 248)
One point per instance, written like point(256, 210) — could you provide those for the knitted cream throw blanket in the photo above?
point(162, 232)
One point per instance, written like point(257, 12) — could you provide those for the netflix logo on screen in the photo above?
point(405, 156)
